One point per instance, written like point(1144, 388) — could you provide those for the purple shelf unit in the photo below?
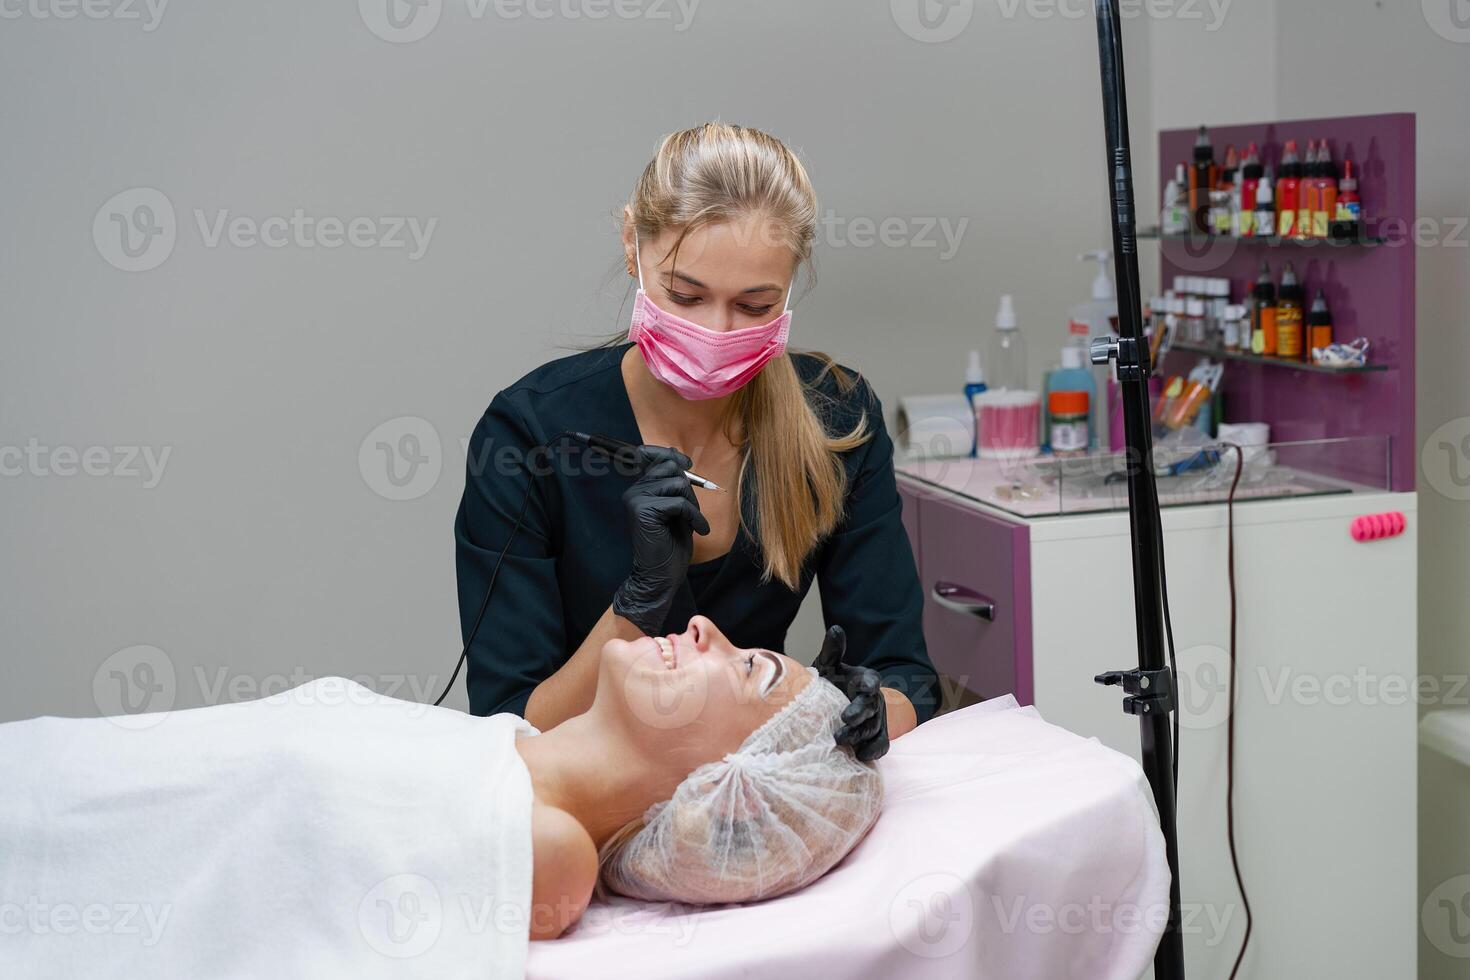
point(1370, 290)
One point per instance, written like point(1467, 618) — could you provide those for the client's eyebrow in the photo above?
point(779, 673)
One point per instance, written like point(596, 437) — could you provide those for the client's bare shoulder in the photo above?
point(564, 870)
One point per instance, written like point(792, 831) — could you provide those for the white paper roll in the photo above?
point(1251, 437)
point(935, 426)
point(1245, 433)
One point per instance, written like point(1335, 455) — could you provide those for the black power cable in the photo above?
point(490, 587)
point(1230, 706)
point(495, 572)
point(1230, 693)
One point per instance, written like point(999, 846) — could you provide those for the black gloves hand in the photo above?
point(662, 514)
point(865, 721)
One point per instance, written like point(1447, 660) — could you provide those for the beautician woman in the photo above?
point(715, 231)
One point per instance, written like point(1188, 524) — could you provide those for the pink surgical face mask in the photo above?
point(697, 362)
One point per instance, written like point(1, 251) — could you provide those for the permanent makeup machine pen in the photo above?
point(616, 447)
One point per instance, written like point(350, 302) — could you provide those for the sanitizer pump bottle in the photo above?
point(1098, 316)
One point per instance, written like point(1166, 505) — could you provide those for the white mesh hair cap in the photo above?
point(772, 816)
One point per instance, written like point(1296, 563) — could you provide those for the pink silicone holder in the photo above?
point(1375, 527)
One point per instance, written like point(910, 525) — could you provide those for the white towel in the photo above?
point(324, 832)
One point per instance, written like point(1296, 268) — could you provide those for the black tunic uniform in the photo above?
point(573, 549)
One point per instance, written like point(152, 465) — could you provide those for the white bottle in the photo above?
point(1230, 335)
point(1218, 307)
point(1265, 205)
point(1174, 219)
point(1098, 316)
point(1006, 359)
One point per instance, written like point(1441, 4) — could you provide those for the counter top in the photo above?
point(1032, 489)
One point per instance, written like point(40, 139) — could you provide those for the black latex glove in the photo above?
point(865, 721)
point(663, 517)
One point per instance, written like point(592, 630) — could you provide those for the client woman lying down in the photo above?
point(331, 831)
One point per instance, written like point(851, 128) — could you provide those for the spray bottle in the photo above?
point(974, 386)
point(1010, 414)
point(1007, 355)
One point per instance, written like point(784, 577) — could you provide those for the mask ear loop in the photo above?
point(638, 260)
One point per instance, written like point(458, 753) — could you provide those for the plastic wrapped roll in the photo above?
point(935, 426)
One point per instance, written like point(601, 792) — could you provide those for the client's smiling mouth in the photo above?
point(667, 652)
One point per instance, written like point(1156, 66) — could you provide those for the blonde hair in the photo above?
point(609, 851)
point(718, 173)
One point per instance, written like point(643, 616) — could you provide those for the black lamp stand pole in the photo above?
point(1149, 690)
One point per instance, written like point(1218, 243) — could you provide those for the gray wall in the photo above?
point(265, 552)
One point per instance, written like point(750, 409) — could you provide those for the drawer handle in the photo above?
point(963, 600)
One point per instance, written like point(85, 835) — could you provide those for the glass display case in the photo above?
point(1188, 474)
